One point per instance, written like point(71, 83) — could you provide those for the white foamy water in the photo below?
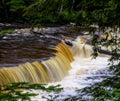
point(84, 72)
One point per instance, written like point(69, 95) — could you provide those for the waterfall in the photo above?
point(62, 48)
point(81, 49)
point(53, 69)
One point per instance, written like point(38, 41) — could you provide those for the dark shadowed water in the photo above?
point(18, 49)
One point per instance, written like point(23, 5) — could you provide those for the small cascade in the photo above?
point(28, 72)
point(57, 67)
point(62, 48)
point(81, 49)
point(53, 69)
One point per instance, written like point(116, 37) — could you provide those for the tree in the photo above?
point(11, 10)
point(50, 11)
point(4, 10)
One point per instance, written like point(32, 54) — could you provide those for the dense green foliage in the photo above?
point(17, 91)
point(83, 12)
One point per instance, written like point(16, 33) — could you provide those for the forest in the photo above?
point(82, 12)
point(104, 14)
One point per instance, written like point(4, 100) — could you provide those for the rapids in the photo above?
point(84, 72)
point(70, 66)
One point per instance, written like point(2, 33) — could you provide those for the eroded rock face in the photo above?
point(13, 26)
point(2, 24)
point(50, 30)
point(56, 32)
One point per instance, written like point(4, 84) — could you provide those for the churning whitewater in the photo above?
point(72, 67)
point(84, 71)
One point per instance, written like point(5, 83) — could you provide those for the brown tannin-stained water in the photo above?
point(35, 59)
point(18, 49)
point(47, 59)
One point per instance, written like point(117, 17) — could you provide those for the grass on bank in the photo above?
point(6, 31)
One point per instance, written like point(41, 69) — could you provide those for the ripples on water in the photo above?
point(18, 49)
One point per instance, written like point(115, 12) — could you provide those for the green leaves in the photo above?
point(101, 12)
point(16, 5)
point(17, 91)
point(7, 31)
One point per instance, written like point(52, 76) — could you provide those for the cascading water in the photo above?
point(84, 72)
point(80, 48)
point(57, 67)
point(53, 69)
point(65, 51)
